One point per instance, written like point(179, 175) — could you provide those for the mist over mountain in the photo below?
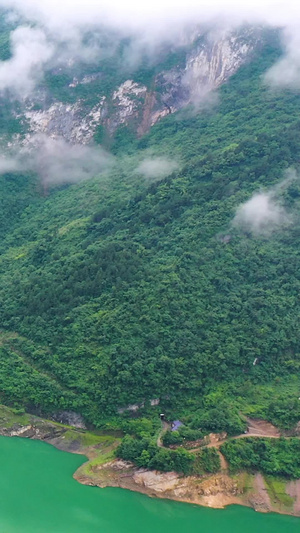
point(149, 255)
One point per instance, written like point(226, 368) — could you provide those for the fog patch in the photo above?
point(30, 53)
point(55, 30)
point(286, 71)
point(55, 161)
point(265, 213)
point(204, 98)
point(9, 164)
point(261, 215)
point(155, 168)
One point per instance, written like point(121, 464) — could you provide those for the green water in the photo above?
point(38, 494)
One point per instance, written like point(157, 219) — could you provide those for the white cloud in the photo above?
point(62, 24)
point(30, 52)
point(9, 164)
point(154, 17)
point(156, 167)
point(264, 213)
point(55, 161)
point(286, 72)
point(202, 95)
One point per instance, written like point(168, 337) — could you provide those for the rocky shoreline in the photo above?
point(102, 470)
point(216, 491)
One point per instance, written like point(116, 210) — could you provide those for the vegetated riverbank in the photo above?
point(264, 494)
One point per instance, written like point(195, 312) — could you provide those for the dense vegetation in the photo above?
point(184, 434)
point(118, 290)
point(278, 457)
point(145, 453)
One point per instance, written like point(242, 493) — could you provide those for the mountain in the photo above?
point(111, 96)
point(150, 286)
point(82, 102)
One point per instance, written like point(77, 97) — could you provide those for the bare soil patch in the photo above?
point(293, 489)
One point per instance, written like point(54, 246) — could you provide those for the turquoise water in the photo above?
point(38, 494)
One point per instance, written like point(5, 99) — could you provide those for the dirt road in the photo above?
point(164, 428)
point(256, 428)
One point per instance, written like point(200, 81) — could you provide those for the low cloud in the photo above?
point(53, 30)
point(265, 213)
point(261, 215)
point(30, 53)
point(9, 164)
point(156, 168)
point(202, 96)
point(55, 161)
point(286, 71)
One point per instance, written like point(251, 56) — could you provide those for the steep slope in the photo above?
point(122, 291)
point(84, 102)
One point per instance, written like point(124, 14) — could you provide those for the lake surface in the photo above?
point(39, 495)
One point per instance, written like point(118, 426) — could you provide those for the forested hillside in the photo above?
point(121, 289)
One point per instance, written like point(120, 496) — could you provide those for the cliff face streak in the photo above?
point(209, 63)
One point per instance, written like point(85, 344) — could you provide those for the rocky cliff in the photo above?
point(208, 63)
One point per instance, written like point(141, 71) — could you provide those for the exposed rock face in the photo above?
point(157, 481)
point(69, 418)
point(127, 99)
point(37, 429)
point(209, 63)
point(208, 66)
point(214, 63)
point(134, 407)
point(69, 121)
point(213, 491)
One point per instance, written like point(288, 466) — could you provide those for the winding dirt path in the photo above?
point(224, 464)
point(164, 428)
point(256, 428)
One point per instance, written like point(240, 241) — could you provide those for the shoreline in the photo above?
point(217, 491)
